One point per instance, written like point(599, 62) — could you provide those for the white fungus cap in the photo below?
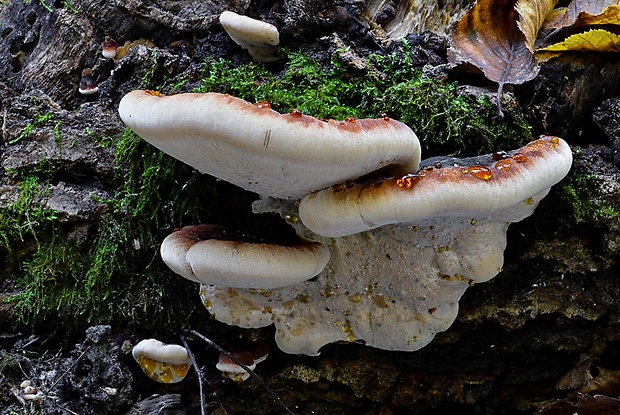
point(231, 369)
point(259, 38)
point(164, 363)
point(476, 191)
point(196, 253)
point(258, 149)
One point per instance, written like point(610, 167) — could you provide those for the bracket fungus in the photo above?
point(403, 249)
point(109, 48)
point(260, 150)
point(88, 86)
point(496, 190)
point(206, 254)
point(164, 363)
point(258, 38)
point(409, 272)
point(248, 353)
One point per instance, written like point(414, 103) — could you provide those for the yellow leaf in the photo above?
point(577, 8)
point(596, 40)
point(610, 15)
point(532, 15)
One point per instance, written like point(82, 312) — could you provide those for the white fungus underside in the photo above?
point(392, 288)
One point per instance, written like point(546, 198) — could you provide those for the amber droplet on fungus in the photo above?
point(408, 180)
point(554, 140)
point(500, 155)
point(154, 93)
point(481, 172)
point(519, 157)
point(296, 113)
point(350, 119)
point(504, 164)
point(263, 104)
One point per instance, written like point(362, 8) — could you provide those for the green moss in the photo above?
point(39, 120)
point(114, 279)
point(576, 191)
point(445, 122)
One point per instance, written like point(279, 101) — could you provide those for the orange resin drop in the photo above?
point(408, 180)
point(504, 164)
point(481, 172)
point(154, 93)
point(519, 157)
point(500, 155)
point(263, 104)
point(296, 113)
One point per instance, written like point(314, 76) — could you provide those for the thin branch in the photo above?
point(271, 393)
point(198, 372)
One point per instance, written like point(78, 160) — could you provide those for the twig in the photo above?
point(198, 372)
point(275, 397)
point(69, 368)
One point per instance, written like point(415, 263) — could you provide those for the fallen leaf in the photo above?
point(488, 37)
point(591, 7)
point(595, 40)
point(609, 15)
point(532, 15)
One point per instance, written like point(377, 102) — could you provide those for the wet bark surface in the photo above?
point(520, 341)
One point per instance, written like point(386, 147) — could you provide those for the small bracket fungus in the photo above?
point(206, 254)
point(249, 353)
point(396, 286)
point(258, 149)
point(258, 38)
point(87, 85)
point(109, 48)
point(232, 369)
point(164, 363)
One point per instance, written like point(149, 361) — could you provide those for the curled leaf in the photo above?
point(532, 15)
point(488, 37)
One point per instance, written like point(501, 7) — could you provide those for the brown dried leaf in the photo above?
point(607, 382)
point(532, 15)
point(488, 37)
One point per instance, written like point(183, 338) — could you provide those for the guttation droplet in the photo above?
point(504, 164)
point(350, 119)
point(296, 113)
point(263, 104)
point(500, 155)
point(154, 93)
point(480, 172)
point(519, 157)
point(408, 180)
